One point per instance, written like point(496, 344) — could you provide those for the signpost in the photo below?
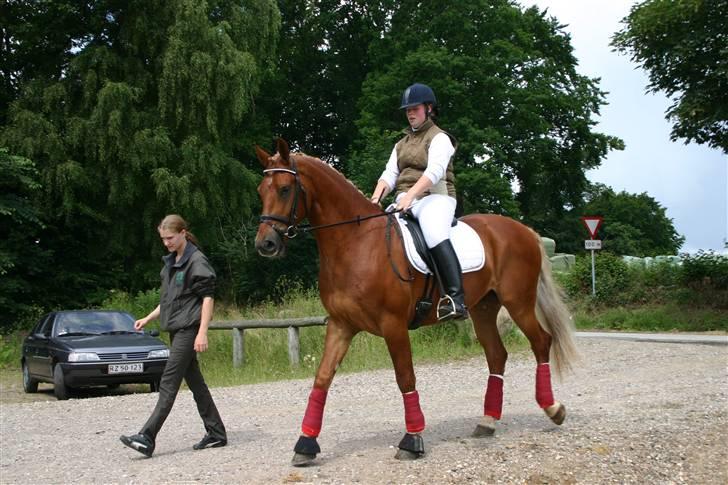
point(592, 224)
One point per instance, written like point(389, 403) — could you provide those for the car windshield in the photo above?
point(94, 323)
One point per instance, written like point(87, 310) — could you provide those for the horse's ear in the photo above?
point(263, 156)
point(283, 150)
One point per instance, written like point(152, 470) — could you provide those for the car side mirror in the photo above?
point(153, 333)
point(40, 336)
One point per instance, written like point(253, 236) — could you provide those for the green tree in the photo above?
point(509, 92)
point(635, 225)
point(143, 115)
point(21, 259)
point(311, 96)
point(682, 46)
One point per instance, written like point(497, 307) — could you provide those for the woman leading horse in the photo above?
point(362, 290)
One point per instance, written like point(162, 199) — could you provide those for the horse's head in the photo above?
point(283, 198)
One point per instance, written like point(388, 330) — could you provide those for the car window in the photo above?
point(46, 326)
point(38, 326)
point(93, 323)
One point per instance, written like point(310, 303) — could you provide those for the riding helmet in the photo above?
point(418, 94)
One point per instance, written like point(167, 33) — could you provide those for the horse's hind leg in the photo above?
point(485, 323)
point(524, 314)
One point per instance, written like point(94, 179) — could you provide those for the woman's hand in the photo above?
point(139, 324)
point(201, 342)
point(405, 202)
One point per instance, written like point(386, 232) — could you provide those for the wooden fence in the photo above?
point(238, 328)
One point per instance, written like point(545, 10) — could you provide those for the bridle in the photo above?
point(293, 228)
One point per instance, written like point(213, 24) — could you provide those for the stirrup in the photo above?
point(452, 312)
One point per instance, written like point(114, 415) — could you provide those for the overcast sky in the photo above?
point(690, 181)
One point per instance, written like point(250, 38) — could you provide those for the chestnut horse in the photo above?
point(362, 289)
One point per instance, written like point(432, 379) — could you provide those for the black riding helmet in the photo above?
point(418, 94)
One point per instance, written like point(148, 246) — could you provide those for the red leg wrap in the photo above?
point(314, 413)
point(494, 397)
point(544, 395)
point(413, 417)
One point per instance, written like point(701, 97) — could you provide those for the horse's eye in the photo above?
point(284, 191)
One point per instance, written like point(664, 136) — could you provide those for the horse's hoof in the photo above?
point(305, 451)
point(411, 447)
point(557, 412)
point(486, 427)
point(406, 455)
point(302, 459)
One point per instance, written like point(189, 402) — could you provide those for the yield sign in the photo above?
point(592, 224)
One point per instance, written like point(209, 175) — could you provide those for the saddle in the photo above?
point(468, 248)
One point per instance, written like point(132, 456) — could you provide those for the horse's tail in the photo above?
point(554, 317)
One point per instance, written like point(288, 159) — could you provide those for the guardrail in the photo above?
point(238, 328)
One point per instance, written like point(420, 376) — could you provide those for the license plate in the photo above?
point(126, 368)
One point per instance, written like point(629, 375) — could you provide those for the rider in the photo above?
point(420, 169)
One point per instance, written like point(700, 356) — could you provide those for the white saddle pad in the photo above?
point(465, 240)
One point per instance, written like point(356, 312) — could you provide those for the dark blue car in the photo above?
point(73, 349)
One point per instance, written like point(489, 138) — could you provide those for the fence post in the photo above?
point(238, 347)
point(293, 346)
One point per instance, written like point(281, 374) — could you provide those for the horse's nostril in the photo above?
point(267, 247)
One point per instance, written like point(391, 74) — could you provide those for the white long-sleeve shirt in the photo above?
point(438, 157)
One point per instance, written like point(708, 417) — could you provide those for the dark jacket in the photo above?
point(184, 284)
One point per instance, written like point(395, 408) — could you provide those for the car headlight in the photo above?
point(82, 356)
point(158, 354)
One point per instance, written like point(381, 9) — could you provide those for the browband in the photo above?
point(279, 170)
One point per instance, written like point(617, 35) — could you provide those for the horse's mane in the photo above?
point(300, 156)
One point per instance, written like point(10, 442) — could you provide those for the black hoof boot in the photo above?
point(305, 451)
point(411, 447)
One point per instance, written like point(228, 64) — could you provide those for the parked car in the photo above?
point(73, 349)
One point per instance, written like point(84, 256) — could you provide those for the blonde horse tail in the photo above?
point(554, 318)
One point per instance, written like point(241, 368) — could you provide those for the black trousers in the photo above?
point(182, 363)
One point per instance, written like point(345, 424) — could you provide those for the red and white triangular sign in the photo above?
point(592, 224)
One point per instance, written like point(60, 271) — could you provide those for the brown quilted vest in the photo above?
point(412, 160)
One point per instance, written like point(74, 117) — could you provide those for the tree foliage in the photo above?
point(682, 45)
point(139, 118)
point(21, 259)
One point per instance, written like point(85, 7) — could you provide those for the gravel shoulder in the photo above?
point(638, 412)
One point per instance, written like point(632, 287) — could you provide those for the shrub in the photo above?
point(613, 279)
point(705, 270)
point(139, 305)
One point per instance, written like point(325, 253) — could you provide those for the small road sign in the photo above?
point(592, 224)
point(593, 244)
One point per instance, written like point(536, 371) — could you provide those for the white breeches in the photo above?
point(434, 213)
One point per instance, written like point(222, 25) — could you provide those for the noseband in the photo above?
point(291, 226)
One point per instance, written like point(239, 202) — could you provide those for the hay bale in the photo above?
point(549, 245)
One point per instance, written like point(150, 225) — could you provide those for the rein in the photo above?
point(294, 229)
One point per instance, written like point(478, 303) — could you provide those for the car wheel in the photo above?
point(59, 383)
point(154, 386)
point(29, 384)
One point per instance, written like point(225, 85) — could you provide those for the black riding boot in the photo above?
point(452, 305)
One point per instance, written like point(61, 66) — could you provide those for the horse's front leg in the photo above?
point(412, 446)
point(338, 339)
